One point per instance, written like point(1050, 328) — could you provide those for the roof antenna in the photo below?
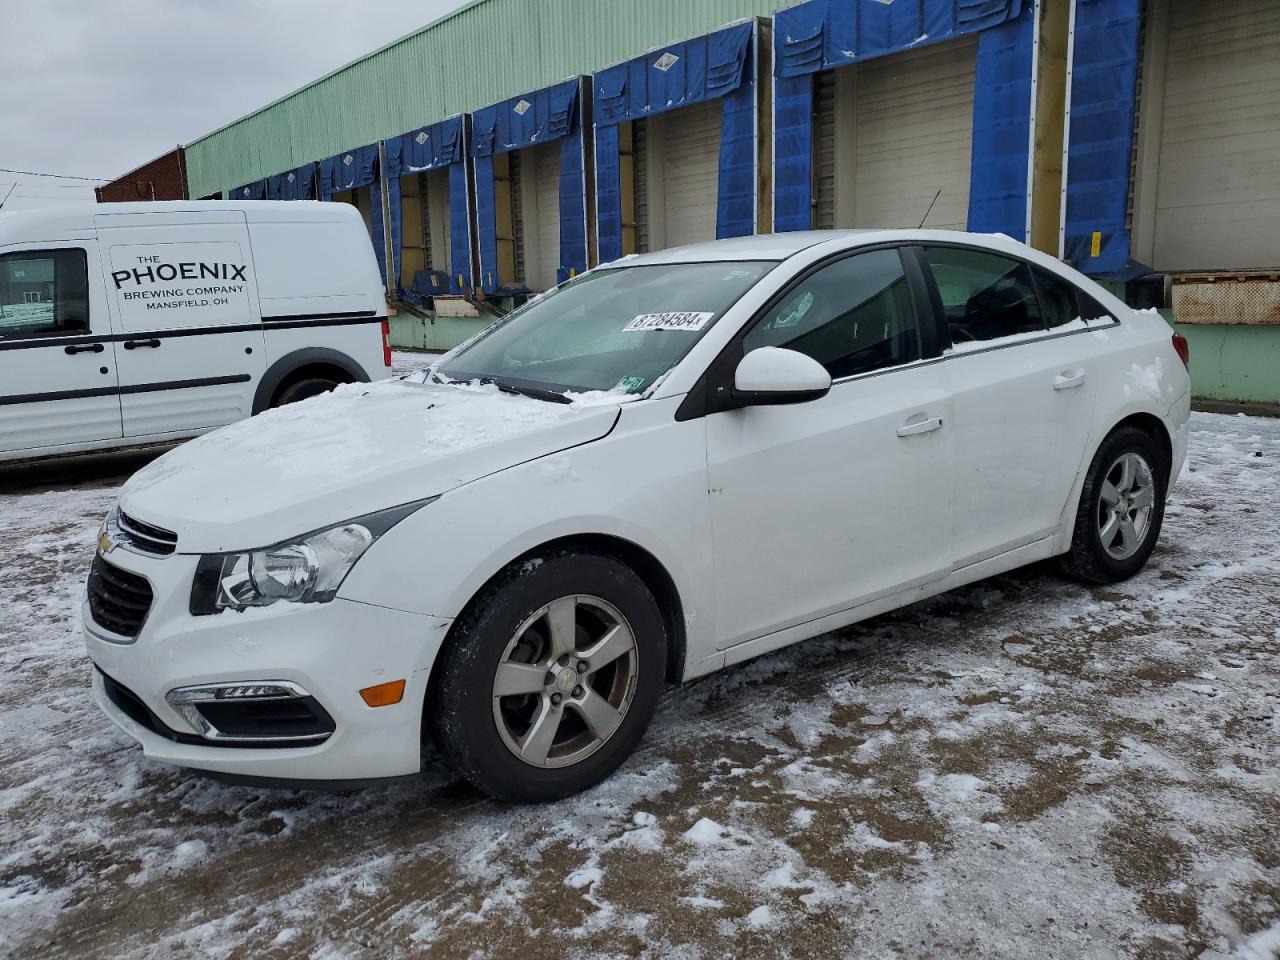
point(930, 210)
point(12, 187)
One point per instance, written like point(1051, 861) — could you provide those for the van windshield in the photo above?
point(617, 329)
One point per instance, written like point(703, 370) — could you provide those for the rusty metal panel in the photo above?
point(482, 53)
point(1234, 298)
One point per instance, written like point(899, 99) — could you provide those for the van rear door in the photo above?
point(58, 387)
point(184, 302)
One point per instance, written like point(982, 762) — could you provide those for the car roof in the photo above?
point(780, 246)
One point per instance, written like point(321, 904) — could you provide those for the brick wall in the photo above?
point(164, 178)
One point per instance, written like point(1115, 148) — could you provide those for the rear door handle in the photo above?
point(74, 348)
point(914, 427)
point(1069, 380)
point(136, 344)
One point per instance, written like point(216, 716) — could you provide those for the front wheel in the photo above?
point(302, 389)
point(1121, 509)
point(550, 677)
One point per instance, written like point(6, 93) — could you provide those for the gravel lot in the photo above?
point(1023, 768)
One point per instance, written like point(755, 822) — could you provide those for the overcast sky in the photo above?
point(97, 87)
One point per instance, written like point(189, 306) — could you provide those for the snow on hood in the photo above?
point(361, 448)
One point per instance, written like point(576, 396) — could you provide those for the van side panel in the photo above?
point(320, 288)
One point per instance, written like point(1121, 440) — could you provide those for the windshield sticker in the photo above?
point(668, 321)
point(629, 384)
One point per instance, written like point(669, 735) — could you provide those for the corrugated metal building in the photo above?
point(516, 142)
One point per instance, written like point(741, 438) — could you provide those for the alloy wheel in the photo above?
point(1125, 505)
point(565, 681)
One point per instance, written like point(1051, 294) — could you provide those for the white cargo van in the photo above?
point(138, 323)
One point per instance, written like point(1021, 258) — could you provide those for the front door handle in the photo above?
point(74, 348)
point(136, 344)
point(914, 427)
point(1069, 380)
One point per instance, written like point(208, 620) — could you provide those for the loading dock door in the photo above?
point(438, 221)
point(1218, 194)
point(690, 146)
point(540, 196)
point(913, 136)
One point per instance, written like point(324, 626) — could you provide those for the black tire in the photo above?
point(461, 711)
point(302, 389)
point(1088, 559)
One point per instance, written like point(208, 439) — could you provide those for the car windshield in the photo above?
point(617, 329)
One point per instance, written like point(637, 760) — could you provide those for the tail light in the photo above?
point(1183, 348)
point(386, 343)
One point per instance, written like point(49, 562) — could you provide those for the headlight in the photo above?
point(307, 570)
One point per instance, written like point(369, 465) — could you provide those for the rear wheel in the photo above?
point(1121, 509)
point(550, 677)
point(302, 389)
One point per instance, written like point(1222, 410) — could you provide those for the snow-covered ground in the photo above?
point(1024, 768)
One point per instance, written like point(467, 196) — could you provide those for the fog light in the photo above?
point(383, 694)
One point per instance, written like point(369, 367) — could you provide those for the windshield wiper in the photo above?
point(506, 387)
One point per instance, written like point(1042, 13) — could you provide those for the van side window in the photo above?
point(984, 296)
point(853, 316)
point(43, 293)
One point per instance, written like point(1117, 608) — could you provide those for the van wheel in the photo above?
point(1121, 509)
point(550, 677)
point(301, 389)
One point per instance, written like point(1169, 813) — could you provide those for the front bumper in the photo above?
point(333, 650)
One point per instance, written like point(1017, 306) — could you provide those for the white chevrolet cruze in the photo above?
point(665, 466)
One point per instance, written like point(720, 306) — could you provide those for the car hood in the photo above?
point(359, 449)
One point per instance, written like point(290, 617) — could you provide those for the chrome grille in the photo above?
point(118, 600)
point(145, 538)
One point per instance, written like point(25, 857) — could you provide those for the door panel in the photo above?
point(58, 382)
point(185, 298)
point(1022, 417)
point(1024, 396)
point(818, 506)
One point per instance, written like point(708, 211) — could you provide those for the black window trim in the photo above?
point(705, 399)
point(41, 335)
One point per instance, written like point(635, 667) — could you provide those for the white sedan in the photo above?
point(665, 466)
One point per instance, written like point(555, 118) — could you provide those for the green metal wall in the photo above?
point(483, 53)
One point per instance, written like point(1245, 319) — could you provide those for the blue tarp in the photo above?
point(257, 190)
point(460, 278)
point(825, 34)
point(542, 116)
point(427, 148)
point(296, 184)
point(717, 65)
point(1104, 78)
point(430, 147)
point(1002, 93)
point(537, 117)
point(348, 171)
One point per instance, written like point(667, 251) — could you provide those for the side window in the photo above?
point(1058, 297)
point(985, 296)
point(43, 292)
point(1091, 311)
point(852, 316)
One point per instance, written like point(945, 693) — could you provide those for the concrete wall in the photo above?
point(1236, 362)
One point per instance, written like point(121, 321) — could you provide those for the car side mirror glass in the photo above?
point(774, 375)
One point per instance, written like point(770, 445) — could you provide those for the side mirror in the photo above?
point(772, 375)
